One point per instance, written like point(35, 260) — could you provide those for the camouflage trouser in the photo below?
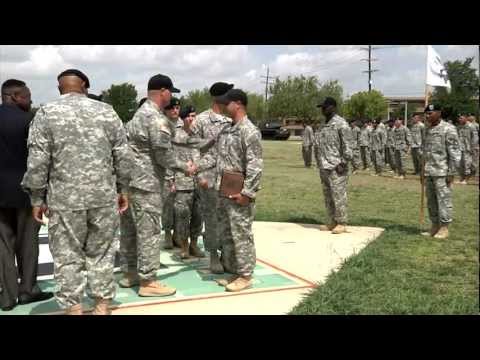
point(84, 240)
point(356, 159)
point(335, 195)
point(400, 157)
point(307, 155)
point(466, 164)
point(208, 205)
point(417, 160)
point(365, 154)
point(378, 160)
point(167, 211)
point(474, 167)
point(439, 199)
point(235, 231)
point(140, 252)
point(390, 155)
point(188, 219)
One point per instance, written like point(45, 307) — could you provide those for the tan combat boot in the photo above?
point(155, 288)
point(226, 280)
point(168, 240)
point(184, 249)
point(442, 233)
point(130, 279)
point(74, 310)
point(102, 307)
point(328, 227)
point(339, 229)
point(194, 250)
point(239, 284)
point(433, 230)
point(216, 266)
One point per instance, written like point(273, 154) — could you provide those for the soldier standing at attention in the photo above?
point(77, 150)
point(208, 125)
point(307, 145)
point(441, 151)
point(390, 146)
point(365, 145)
point(466, 135)
point(418, 135)
point(402, 141)
point(334, 153)
point(356, 159)
point(150, 134)
point(476, 134)
point(239, 150)
point(383, 129)
point(378, 143)
point(172, 112)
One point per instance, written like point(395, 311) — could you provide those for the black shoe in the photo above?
point(27, 298)
point(9, 308)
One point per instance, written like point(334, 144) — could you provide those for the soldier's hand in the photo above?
point(38, 212)
point(240, 199)
point(341, 169)
point(122, 203)
point(203, 183)
point(449, 180)
point(173, 188)
point(191, 168)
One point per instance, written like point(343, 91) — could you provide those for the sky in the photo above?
point(401, 67)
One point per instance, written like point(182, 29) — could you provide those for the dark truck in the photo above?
point(274, 131)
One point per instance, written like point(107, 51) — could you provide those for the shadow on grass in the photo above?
point(388, 226)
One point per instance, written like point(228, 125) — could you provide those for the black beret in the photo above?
point(327, 102)
point(142, 101)
point(186, 110)
point(173, 102)
point(95, 97)
point(77, 73)
point(160, 81)
point(233, 95)
point(220, 88)
point(433, 107)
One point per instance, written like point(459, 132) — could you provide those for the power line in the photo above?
point(370, 70)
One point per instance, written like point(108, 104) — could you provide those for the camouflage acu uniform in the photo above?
point(383, 129)
point(475, 148)
point(208, 125)
point(239, 150)
point(78, 160)
point(307, 145)
point(402, 140)
point(188, 218)
point(334, 147)
point(442, 154)
point(377, 146)
point(390, 149)
point(365, 147)
point(356, 158)
point(418, 135)
point(149, 134)
point(466, 135)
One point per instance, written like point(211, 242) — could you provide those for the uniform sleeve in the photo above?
point(408, 136)
point(453, 151)
point(345, 134)
point(254, 168)
point(35, 180)
point(473, 138)
point(316, 149)
point(209, 159)
point(161, 143)
point(121, 154)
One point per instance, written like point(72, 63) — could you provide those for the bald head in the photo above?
point(71, 83)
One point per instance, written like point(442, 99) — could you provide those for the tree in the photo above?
point(256, 108)
point(463, 96)
point(123, 98)
point(201, 99)
point(366, 105)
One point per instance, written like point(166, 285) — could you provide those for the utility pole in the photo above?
point(369, 71)
point(267, 82)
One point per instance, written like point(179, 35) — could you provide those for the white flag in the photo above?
point(436, 72)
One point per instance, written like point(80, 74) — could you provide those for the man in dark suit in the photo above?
point(18, 229)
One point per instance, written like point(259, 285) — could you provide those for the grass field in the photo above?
point(401, 272)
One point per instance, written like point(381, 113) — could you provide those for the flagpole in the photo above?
point(426, 72)
point(422, 170)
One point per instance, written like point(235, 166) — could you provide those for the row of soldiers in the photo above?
point(91, 175)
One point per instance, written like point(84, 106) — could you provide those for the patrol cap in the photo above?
point(220, 88)
point(233, 95)
point(327, 102)
point(173, 102)
point(160, 81)
point(95, 97)
point(77, 73)
point(186, 110)
point(433, 107)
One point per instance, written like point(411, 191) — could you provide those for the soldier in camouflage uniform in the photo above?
point(383, 129)
point(188, 218)
point(377, 145)
point(334, 152)
point(356, 159)
point(239, 149)
point(365, 145)
point(390, 146)
point(418, 135)
point(208, 125)
point(402, 141)
point(78, 168)
point(307, 145)
point(466, 135)
point(172, 112)
point(150, 134)
point(476, 133)
point(442, 156)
